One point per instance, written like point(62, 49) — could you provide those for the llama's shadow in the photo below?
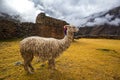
point(57, 75)
point(47, 74)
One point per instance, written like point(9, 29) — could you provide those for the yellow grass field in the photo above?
point(86, 59)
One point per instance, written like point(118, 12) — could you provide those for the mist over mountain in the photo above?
point(72, 11)
point(101, 25)
point(14, 18)
point(110, 17)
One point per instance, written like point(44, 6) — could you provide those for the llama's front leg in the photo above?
point(31, 68)
point(27, 63)
point(51, 63)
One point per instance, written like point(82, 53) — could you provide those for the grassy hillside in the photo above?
point(86, 59)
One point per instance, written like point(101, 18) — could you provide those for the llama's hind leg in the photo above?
point(26, 66)
point(30, 66)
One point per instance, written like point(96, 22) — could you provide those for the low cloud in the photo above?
point(25, 8)
point(107, 19)
point(72, 11)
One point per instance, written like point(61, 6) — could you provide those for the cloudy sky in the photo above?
point(69, 10)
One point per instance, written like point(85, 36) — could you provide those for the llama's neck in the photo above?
point(70, 36)
point(66, 41)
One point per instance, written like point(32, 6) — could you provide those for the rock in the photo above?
point(50, 27)
point(18, 63)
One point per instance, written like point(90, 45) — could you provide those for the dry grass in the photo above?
point(86, 59)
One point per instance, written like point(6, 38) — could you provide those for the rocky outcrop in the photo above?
point(45, 26)
point(50, 27)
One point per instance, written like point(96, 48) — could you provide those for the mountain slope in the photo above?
point(111, 17)
point(14, 18)
point(104, 24)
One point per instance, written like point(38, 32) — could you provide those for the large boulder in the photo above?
point(50, 27)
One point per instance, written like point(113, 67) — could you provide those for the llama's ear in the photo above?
point(65, 26)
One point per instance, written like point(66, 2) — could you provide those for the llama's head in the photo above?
point(70, 28)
